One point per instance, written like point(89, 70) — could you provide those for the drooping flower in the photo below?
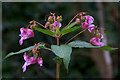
point(89, 19)
point(31, 60)
point(96, 41)
point(90, 27)
point(84, 25)
point(88, 23)
point(40, 61)
point(25, 34)
point(56, 24)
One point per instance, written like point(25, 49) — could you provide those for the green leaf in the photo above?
point(69, 26)
point(63, 51)
point(23, 50)
point(69, 30)
point(45, 31)
point(82, 44)
point(57, 30)
point(107, 48)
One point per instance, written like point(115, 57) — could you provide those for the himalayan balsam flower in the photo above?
point(89, 19)
point(88, 23)
point(91, 27)
point(25, 34)
point(56, 24)
point(96, 41)
point(31, 60)
point(84, 25)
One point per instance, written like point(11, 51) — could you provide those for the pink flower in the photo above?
point(84, 25)
point(31, 60)
point(40, 61)
point(25, 34)
point(96, 41)
point(56, 24)
point(90, 27)
point(77, 20)
point(89, 19)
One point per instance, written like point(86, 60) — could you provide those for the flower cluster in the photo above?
point(25, 34)
point(87, 24)
point(31, 60)
point(53, 23)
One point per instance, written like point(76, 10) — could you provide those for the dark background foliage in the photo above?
point(17, 14)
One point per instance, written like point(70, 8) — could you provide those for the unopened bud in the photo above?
point(47, 24)
point(51, 26)
point(50, 18)
point(59, 18)
point(83, 13)
point(77, 21)
point(82, 18)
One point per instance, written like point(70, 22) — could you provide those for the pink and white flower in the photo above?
point(84, 25)
point(88, 23)
point(89, 19)
point(25, 34)
point(96, 41)
point(31, 60)
point(91, 27)
point(56, 24)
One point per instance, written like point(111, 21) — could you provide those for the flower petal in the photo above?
point(40, 61)
point(21, 41)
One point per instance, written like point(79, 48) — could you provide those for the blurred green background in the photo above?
point(17, 14)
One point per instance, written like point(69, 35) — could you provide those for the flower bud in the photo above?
point(47, 24)
point(51, 26)
point(50, 18)
point(59, 18)
point(99, 35)
point(82, 18)
point(77, 21)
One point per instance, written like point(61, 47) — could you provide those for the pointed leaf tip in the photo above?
point(63, 51)
point(108, 48)
point(23, 50)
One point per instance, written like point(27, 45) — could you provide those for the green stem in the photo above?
point(57, 65)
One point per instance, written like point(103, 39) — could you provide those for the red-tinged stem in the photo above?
point(44, 43)
point(28, 26)
point(42, 25)
point(81, 13)
point(76, 35)
point(57, 64)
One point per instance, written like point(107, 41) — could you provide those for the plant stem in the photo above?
point(81, 13)
point(76, 35)
point(42, 25)
point(57, 64)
